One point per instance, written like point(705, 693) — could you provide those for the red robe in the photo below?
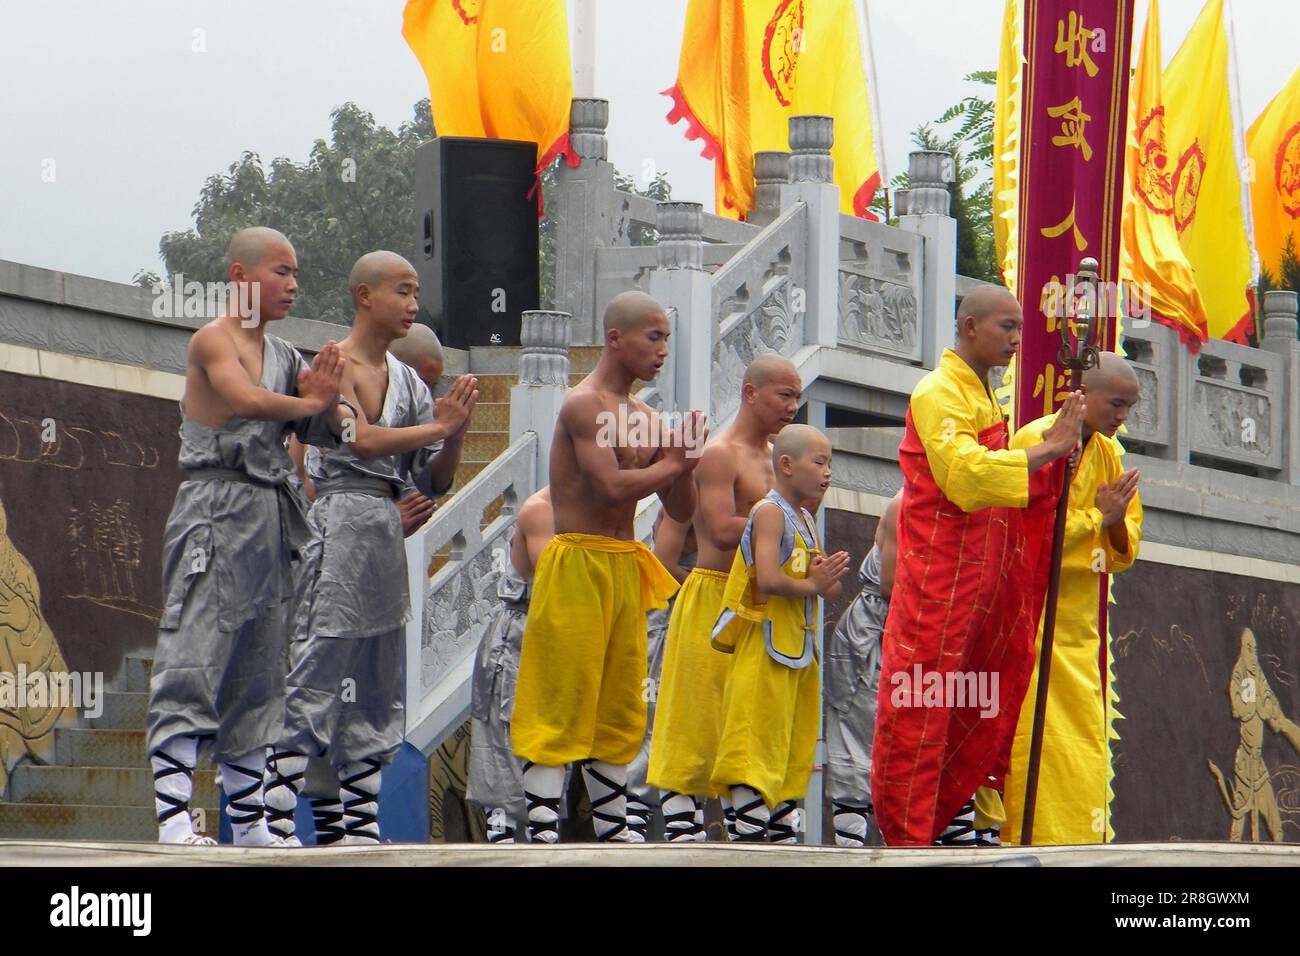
point(968, 591)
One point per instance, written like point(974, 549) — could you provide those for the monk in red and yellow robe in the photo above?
point(1103, 532)
point(970, 579)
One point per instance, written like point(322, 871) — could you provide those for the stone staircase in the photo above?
point(489, 432)
point(100, 786)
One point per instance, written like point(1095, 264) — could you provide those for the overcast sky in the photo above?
point(134, 119)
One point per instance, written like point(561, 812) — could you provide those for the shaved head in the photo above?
point(766, 367)
point(797, 441)
point(627, 310)
point(983, 301)
point(375, 268)
point(250, 246)
point(1112, 370)
point(419, 344)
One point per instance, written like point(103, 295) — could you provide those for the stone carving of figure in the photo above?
point(1254, 707)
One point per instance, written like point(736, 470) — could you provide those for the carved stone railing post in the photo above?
point(543, 379)
point(927, 206)
point(1280, 337)
point(681, 286)
point(771, 175)
point(582, 213)
point(812, 182)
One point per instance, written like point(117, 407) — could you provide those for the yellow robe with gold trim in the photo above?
point(1073, 802)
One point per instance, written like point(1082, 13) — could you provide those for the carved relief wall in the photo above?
point(87, 478)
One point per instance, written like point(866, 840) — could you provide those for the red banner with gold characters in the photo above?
point(1073, 128)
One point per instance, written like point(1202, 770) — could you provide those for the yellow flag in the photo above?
point(1273, 144)
point(1206, 181)
point(1006, 143)
point(1150, 255)
point(747, 66)
point(497, 69)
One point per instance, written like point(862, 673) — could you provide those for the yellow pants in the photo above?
point(688, 710)
point(769, 726)
point(583, 684)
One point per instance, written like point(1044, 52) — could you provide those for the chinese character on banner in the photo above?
point(1052, 386)
point(1073, 120)
point(1051, 232)
point(1073, 42)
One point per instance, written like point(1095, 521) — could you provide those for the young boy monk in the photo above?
point(771, 705)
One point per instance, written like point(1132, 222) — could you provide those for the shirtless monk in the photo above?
point(583, 662)
point(735, 472)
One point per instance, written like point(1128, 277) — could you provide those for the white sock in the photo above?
point(961, 831)
point(359, 787)
point(683, 818)
point(639, 814)
point(752, 814)
point(241, 779)
point(173, 787)
point(542, 789)
point(851, 824)
point(284, 773)
point(607, 790)
point(786, 823)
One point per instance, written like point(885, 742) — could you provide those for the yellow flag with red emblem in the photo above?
point(1207, 203)
point(1273, 144)
point(497, 69)
point(1150, 255)
point(747, 66)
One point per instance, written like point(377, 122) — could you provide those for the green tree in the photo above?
point(971, 146)
point(354, 193)
point(1286, 279)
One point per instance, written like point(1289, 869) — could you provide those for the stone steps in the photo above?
point(121, 711)
point(53, 821)
point(99, 786)
point(79, 747)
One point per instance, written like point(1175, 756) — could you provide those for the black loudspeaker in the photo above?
point(478, 238)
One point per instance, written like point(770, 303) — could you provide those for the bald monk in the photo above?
point(965, 599)
point(421, 350)
point(735, 472)
point(771, 703)
point(345, 686)
point(583, 663)
point(231, 541)
point(1102, 533)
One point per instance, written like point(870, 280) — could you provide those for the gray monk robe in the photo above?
point(852, 680)
point(236, 526)
point(347, 657)
point(495, 773)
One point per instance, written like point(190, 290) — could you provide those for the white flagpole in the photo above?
point(873, 93)
point(1239, 142)
point(584, 49)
